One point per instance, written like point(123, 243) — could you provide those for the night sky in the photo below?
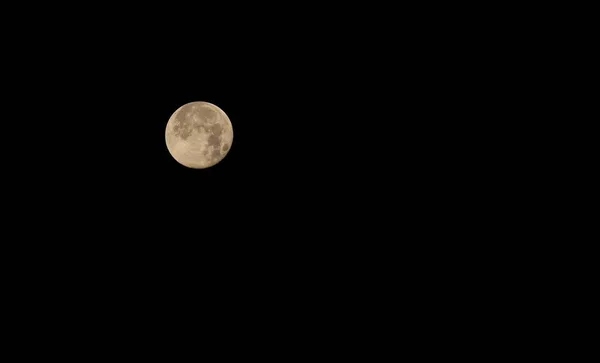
point(375, 173)
point(346, 141)
point(325, 132)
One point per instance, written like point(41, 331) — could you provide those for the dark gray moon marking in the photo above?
point(199, 135)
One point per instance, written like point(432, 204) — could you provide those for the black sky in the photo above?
point(344, 131)
point(375, 176)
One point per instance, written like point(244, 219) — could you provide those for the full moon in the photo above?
point(199, 135)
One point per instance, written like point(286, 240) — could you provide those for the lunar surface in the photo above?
point(199, 135)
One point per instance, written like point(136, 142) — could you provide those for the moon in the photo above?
point(199, 135)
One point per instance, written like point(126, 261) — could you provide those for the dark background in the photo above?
point(363, 159)
point(377, 189)
point(350, 125)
